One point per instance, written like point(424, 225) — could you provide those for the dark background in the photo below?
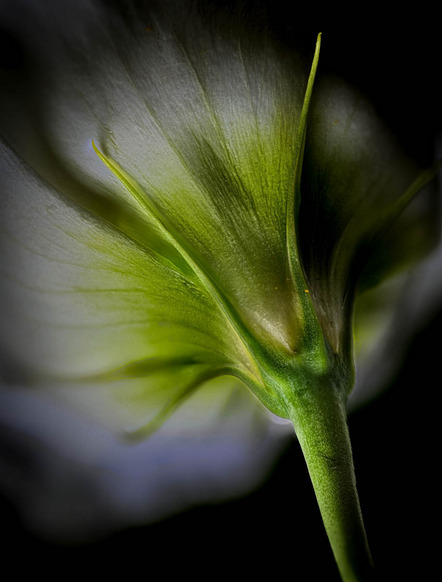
point(277, 530)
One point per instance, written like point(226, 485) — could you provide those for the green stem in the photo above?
point(319, 419)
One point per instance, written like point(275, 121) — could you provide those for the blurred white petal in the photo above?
point(77, 482)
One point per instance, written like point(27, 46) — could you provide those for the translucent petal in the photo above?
point(80, 300)
point(204, 124)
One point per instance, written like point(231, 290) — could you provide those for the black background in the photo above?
point(277, 530)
